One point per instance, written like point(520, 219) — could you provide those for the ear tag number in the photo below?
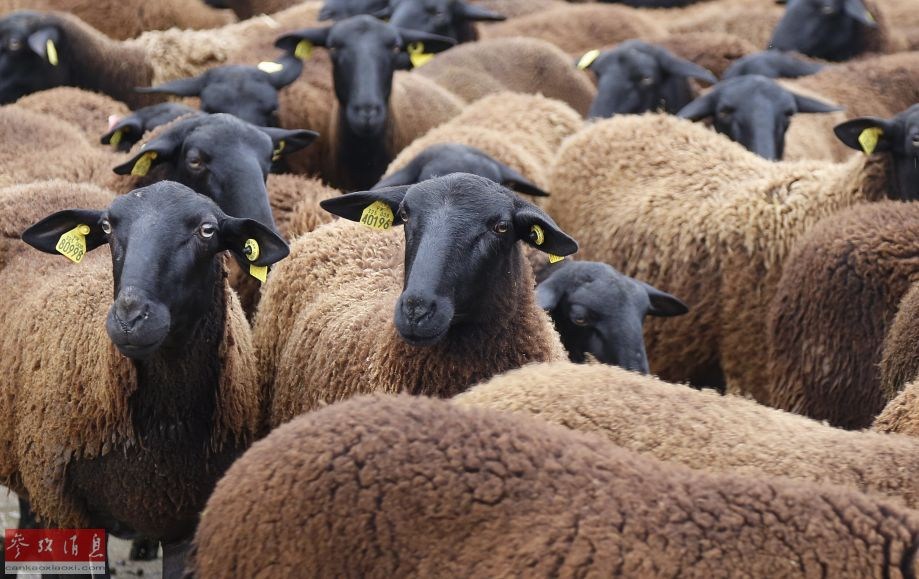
point(417, 54)
point(270, 67)
point(116, 138)
point(538, 237)
point(142, 166)
point(51, 51)
point(72, 244)
point(304, 50)
point(252, 252)
point(869, 139)
point(377, 215)
point(588, 59)
point(276, 155)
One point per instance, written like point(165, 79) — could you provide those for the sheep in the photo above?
point(754, 111)
point(452, 18)
point(898, 362)
point(341, 9)
point(636, 77)
point(577, 29)
point(122, 20)
point(597, 311)
point(172, 387)
point(714, 51)
point(401, 486)
point(708, 221)
point(528, 65)
point(87, 110)
point(752, 21)
point(773, 64)
point(452, 327)
point(703, 430)
point(899, 416)
point(125, 131)
point(374, 115)
point(522, 131)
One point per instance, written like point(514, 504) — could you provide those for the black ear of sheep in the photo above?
point(352, 206)
point(186, 87)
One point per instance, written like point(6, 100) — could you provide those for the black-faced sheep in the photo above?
point(773, 64)
point(598, 311)
point(170, 389)
point(452, 18)
point(453, 326)
point(704, 430)
point(707, 220)
point(407, 487)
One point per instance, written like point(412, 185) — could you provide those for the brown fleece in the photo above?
point(703, 430)
point(901, 415)
point(407, 487)
point(516, 8)
point(679, 206)
point(68, 400)
point(837, 298)
point(89, 111)
point(325, 331)
point(526, 65)
point(121, 19)
point(577, 29)
point(248, 8)
point(523, 131)
point(295, 203)
point(752, 21)
point(715, 51)
point(307, 104)
point(900, 361)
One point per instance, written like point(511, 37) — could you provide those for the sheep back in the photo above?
point(900, 415)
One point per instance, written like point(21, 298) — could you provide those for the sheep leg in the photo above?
point(174, 559)
point(143, 549)
point(27, 519)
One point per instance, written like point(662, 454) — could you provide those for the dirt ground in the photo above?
point(117, 549)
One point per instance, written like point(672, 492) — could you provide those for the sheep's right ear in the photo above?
point(44, 42)
point(369, 207)
point(301, 42)
point(702, 107)
point(517, 182)
point(866, 134)
point(663, 304)
point(677, 66)
point(186, 87)
point(50, 233)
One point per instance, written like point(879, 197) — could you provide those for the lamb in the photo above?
point(81, 422)
point(452, 326)
point(527, 65)
point(519, 130)
point(122, 20)
point(703, 430)
point(898, 360)
point(708, 221)
point(899, 416)
point(402, 486)
point(451, 18)
point(773, 64)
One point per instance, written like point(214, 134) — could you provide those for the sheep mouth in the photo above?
point(138, 351)
point(418, 339)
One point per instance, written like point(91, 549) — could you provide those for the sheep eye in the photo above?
point(403, 215)
point(106, 227)
point(725, 114)
point(915, 140)
point(827, 10)
point(501, 227)
point(207, 230)
point(14, 44)
point(580, 321)
point(195, 163)
point(646, 81)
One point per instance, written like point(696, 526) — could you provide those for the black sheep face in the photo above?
point(772, 64)
point(219, 156)
point(461, 233)
point(33, 55)
point(637, 77)
point(754, 111)
point(601, 312)
point(827, 29)
point(897, 137)
point(365, 53)
point(452, 18)
point(444, 159)
point(164, 240)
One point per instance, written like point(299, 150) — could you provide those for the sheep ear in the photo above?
point(291, 67)
point(407, 175)
point(791, 67)
point(186, 87)
point(151, 154)
point(867, 134)
point(430, 43)
point(514, 180)
point(663, 304)
point(537, 229)
point(251, 242)
point(377, 209)
point(549, 294)
point(301, 43)
point(856, 10)
point(677, 66)
point(44, 43)
point(477, 13)
point(129, 125)
point(286, 141)
point(50, 233)
point(702, 107)
point(809, 105)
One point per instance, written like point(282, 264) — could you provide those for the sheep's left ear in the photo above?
point(549, 293)
point(44, 42)
point(47, 234)
point(856, 10)
point(677, 66)
point(286, 141)
point(378, 209)
point(517, 182)
point(252, 242)
point(477, 13)
point(809, 105)
point(536, 228)
point(429, 43)
point(867, 134)
point(663, 304)
point(702, 107)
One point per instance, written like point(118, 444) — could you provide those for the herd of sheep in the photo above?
point(467, 288)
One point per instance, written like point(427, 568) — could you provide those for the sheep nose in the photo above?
point(130, 309)
point(368, 111)
point(417, 309)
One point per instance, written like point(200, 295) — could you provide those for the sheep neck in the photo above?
point(363, 160)
point(874, 179)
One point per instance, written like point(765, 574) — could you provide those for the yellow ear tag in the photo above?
point(116, 138)
point(142, 166)
point(252, 252)
point(270, 67)
point(588, 59)
point(555, 258)
point(304, 50)
point(539, 236)
point(377, 215)
point(417, 55)
point(72, 244)
point(276, 155)
point(51, 50)
point(869, 16)
point(869, 139)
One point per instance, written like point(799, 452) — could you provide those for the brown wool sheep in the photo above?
point(901, 415)
point(682, 207)
point(714, 51)
point(703, 430)
point(527, 65)
point(752, 21)
point(328, 326)
point(409, 487)
point(522, 131)
point(87, 110)
point(838, 296)
point(295, 201)
point(899, 362)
